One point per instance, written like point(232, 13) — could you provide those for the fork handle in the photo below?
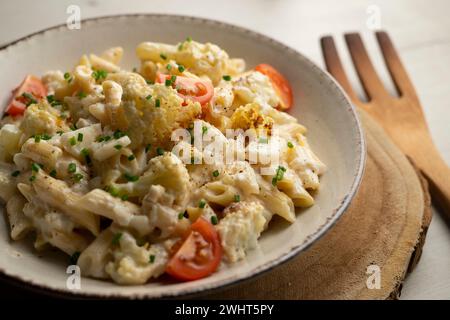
point(437, 173)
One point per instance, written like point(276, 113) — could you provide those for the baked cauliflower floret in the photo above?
point(148, 113)
point(240, 229)
point(242, 175)
point(253, 86)
point(133, 264)
point(40, 118)
point(168, 171)
point(201, 59)
point(158, 206)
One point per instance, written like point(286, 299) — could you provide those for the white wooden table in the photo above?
point(419, 28)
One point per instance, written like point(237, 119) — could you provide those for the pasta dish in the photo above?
point(175, 167)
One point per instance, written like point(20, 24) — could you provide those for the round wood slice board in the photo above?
point(384, 227)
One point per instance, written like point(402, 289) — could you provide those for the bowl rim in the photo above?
point(30, 284)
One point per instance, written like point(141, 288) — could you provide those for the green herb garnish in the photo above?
point(35, 167)
point(15, 173)
point(130, 177)
point(116, 239)
point(160, 151)
point(72, 167)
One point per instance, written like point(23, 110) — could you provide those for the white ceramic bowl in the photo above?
point(320, 104)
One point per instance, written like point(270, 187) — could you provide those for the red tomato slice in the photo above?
point(31, 85)
point(280, 83)
point(199, 255)
point(189, 88)
point(16, 108)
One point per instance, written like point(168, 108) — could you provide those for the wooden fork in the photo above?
point(402, 117)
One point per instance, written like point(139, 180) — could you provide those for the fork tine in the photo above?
point(334, 65)
point(396, 70)
point(366, 72)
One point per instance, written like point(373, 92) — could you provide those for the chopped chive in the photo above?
point(180, 215)
point(204, 130)
point(169, 66)
point(148, 97)
point(46, 136)
point(81, 95)
point(147, 147)
point(173, 78)
point(32, 178)
point(99, 74)
point(202, 204)
point(60, 132)
point(53, 173)
point(180, 68)
point(278, 175)
point(168, 83)
point(35, 167)
point(149, 82)
point(73, 127)
point(160, 151)
point(214, 220)
point(215, 173)
point(157, 103)
point(130, 177)
point(226, 77)
point(131, 157)
point(124, 197)
point(188, 39)
point(113, 191)
point(116, 239)
point(78, 177)
point(80, 137)
point(180, 46)
point(152, 258)
point(163, 56)
point(50, 98)
point(67, 76)
point(118, 146)
point(29, 98)
point(72, 167)
point(290, 145)
point(237, 198)
point(107, 138)
point(84, 152)
point(15, 173)
point(74, 257)
point(72, 141)
point(118, 134)
point(37, 138)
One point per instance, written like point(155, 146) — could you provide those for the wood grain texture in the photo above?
point(402, 117)
point(385, 225)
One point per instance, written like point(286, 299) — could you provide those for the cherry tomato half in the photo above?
point(199, 255)
point(31, 85)
point(280, 83)
point(189, 88)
